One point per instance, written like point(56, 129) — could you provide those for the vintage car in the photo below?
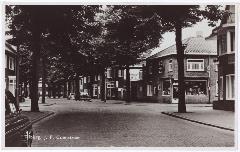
point(18, 128)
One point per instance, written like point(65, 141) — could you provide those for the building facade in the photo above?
point(10, 68)
point(160, 78)
point(226, 61)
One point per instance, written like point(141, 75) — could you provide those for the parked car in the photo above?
point(71, 96)
point(18, 127)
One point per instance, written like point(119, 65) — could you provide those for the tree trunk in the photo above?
point(35, 70)
point(180, 60)
point(43, 80)
point(128, 93)
point(69, 87)
point(65, 89)
point(25, 90)
point(77, 92)
point(103, 86)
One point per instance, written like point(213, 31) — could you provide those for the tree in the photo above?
point(129, 35)
point(175, 18)
point(69, 26)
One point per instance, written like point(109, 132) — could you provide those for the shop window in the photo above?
point(230, 87)
point(166, 88)
point(149, 90)
point(11, 63)
point(170, 66)
point(196, 87)
point(195, 64)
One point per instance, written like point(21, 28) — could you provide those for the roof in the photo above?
point(10, 48)
point(194, 46)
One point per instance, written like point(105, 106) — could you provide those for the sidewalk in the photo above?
point(206, 116)
point(34, 116)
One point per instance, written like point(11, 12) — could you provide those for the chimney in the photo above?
point(199, 34)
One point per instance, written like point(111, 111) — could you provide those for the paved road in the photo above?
point(90, 124)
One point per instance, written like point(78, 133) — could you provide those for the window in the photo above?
point(196, 87)
point(160, 67)
point(222, 44)
point(195, 65)
point(216, 88)
point(89, 78)
point(149, 90)
point(11, 63)
point(6, 61)
point(85, 80)
point(170, 65)
point(120, 73)
point(95, 90)
point(150, 69)
point(230, 87)
point(96, 77)
point(220, 87)
point(166, 88)
point(216, 66)
point(155, 90)
point(140, 74)
point(232, 41)
point(99, 77)
point(109, 74)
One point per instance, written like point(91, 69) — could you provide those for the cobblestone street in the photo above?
point(87, 124)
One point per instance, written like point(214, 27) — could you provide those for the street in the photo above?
point(98, 124)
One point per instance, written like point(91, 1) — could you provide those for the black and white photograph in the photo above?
point(119, 75)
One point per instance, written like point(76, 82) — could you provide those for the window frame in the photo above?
point(11, 63)
point(229, 87)
point(195, 62)
point(149, 90)
point(120, 73)
point(109, 73)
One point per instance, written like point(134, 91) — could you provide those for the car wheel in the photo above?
point(27, 138)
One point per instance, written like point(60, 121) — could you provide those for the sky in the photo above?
point(169, 37)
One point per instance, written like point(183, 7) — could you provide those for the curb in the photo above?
point(42, 117)
point(199, 122)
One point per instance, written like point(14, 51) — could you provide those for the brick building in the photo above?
point(226, 58)
point(160, 75)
